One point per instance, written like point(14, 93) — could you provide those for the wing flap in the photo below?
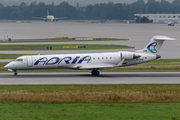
point(105, 66)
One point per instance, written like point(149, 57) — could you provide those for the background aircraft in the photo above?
point(49, 17)
point(170, 23)
point(89, 61)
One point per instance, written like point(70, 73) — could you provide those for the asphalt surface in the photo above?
point(139, 35)
point(41, 29)
point(87, 78)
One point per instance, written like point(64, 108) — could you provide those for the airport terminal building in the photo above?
point(160, 18)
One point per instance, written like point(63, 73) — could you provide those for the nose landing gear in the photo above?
point(95, 73)
point(15, 73)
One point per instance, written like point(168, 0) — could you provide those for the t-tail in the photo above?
point(47, 12)
point(155, 44)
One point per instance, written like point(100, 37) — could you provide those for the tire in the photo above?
point(15, 74)
point(95, 73)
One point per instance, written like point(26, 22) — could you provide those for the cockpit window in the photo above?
point(18, 60)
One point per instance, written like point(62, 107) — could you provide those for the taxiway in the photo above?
point(87, 78)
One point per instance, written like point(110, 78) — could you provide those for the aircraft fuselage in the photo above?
point(77, 61)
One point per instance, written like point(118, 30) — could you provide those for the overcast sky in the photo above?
point(72, 2)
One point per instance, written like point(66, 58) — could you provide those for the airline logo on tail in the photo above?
point(152, 47)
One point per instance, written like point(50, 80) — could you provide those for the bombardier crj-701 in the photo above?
point(89, 61)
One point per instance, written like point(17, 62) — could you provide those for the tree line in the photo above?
point(119, 11)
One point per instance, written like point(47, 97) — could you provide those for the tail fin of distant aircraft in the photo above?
point(47, 12)
point(155, 44)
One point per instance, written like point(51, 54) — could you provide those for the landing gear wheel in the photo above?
point(95, 73)
point(15, 73)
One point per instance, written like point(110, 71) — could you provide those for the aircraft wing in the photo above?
point(39, 18)
point(97, 66)
point(100, 66)
point(60, 17)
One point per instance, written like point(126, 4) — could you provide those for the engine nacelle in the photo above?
point(45, 20)
point(129, 55)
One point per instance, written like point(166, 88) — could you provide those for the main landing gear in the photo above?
point(95, 73)
point(15, 73)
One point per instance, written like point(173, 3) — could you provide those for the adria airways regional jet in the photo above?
point(90, 61)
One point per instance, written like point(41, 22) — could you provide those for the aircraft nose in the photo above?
point(10, 66)
point(6, 66)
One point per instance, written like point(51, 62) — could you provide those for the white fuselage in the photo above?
point(88, 61)
point(50, 17)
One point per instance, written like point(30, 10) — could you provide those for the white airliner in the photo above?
point(50, 17)
point(89, 61)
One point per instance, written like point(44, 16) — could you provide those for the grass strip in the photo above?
point(79, 111)
point(59, 40)
point(60, 47)
point(11, 56)
point(161, 65)
point(89, 93)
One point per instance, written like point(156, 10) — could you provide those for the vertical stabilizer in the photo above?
point(155, 44)
point(47, 12)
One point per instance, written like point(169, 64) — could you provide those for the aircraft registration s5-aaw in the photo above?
point(89, 61)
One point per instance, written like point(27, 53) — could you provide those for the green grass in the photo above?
point(79, 111)
point(11, 56)
point(89, 93)
point(60, 47)
point(91, 102)
point(100, 102)
point(60, 40)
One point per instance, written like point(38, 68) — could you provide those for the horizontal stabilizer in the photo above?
point(163, 38)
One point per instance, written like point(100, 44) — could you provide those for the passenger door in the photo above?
point(29, 61)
